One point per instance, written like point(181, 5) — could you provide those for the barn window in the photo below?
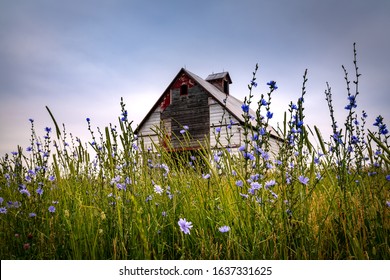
point(184, 90)
point(225, 87)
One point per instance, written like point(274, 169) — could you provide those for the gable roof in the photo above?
point(217, 76)
point(229, 102)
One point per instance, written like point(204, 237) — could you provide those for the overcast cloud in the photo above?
point(80, 57)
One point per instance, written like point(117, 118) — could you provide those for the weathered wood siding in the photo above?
point(188, 110)
point(147, 133)
point(219, 117)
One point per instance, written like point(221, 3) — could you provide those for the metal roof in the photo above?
point(217, 76)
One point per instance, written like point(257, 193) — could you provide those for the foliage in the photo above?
point(114, 199)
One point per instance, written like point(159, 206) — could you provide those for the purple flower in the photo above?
point(218, 129)
point(158, 189)
point(182, 131)
point(206, 176)
point(272, 85)
point(39, 191)
point(269, 115)
point(263, 102)
point(25, 191)
point(186, 127)
point(239, 183)
point(224, 229)
point(32, 215)
point(47, 129)
point(245, 108)
point(303, 180)
point(184, 226)
point(52, 209)
point(269, 184)
point(388, 177)
point(3, 210)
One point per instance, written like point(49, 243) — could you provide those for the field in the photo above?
point(113, 199)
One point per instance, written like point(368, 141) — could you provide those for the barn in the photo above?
point(199, 107)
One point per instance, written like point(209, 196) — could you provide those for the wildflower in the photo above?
point(378, 120)
point(31, 120)
point(88, 120)
point(124, 116)
point(272, 85)
point(337, 137)
point(206, 176)
point(253, 83)
point(26, 246)
point(218, 130)
point(245, 108)
point(164, 214)
point(244, 195)
point(248, 155)
point(25, 191)
point(158, 189)
point(39, 191)
point(294, 107)
point(1, 200)
point(186, 127)
point(32, 215)
point(354, 139)
point(29, 149)
point(182, 131)
point(48, 129)
point(51, 178)
point(185, 226)
point(148, 198)
point(388, 204)
point(14, 153)
point(352, 102)
point(303, 180)
point(224, 229)
point(52, 209)
point(239, 183)
point(269, 184)
point(263, 102)
point(388, 177)
point(254, 187)
point(3, 210)
point(269, 115)
point(115, 180)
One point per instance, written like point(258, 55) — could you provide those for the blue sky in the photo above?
point(80, 57)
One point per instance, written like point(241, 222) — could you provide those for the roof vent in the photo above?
point(220, 80)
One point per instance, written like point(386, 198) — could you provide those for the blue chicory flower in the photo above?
point(185, 226)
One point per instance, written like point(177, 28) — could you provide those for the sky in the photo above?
point(80, 57)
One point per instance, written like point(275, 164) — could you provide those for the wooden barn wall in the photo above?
point(190, 110)
point(221, 118)
point(146, 133)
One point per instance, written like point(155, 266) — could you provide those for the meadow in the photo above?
point(111, 198)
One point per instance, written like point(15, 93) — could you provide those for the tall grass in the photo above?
point(113, 199)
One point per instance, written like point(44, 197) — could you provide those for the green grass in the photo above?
point(106, 206)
